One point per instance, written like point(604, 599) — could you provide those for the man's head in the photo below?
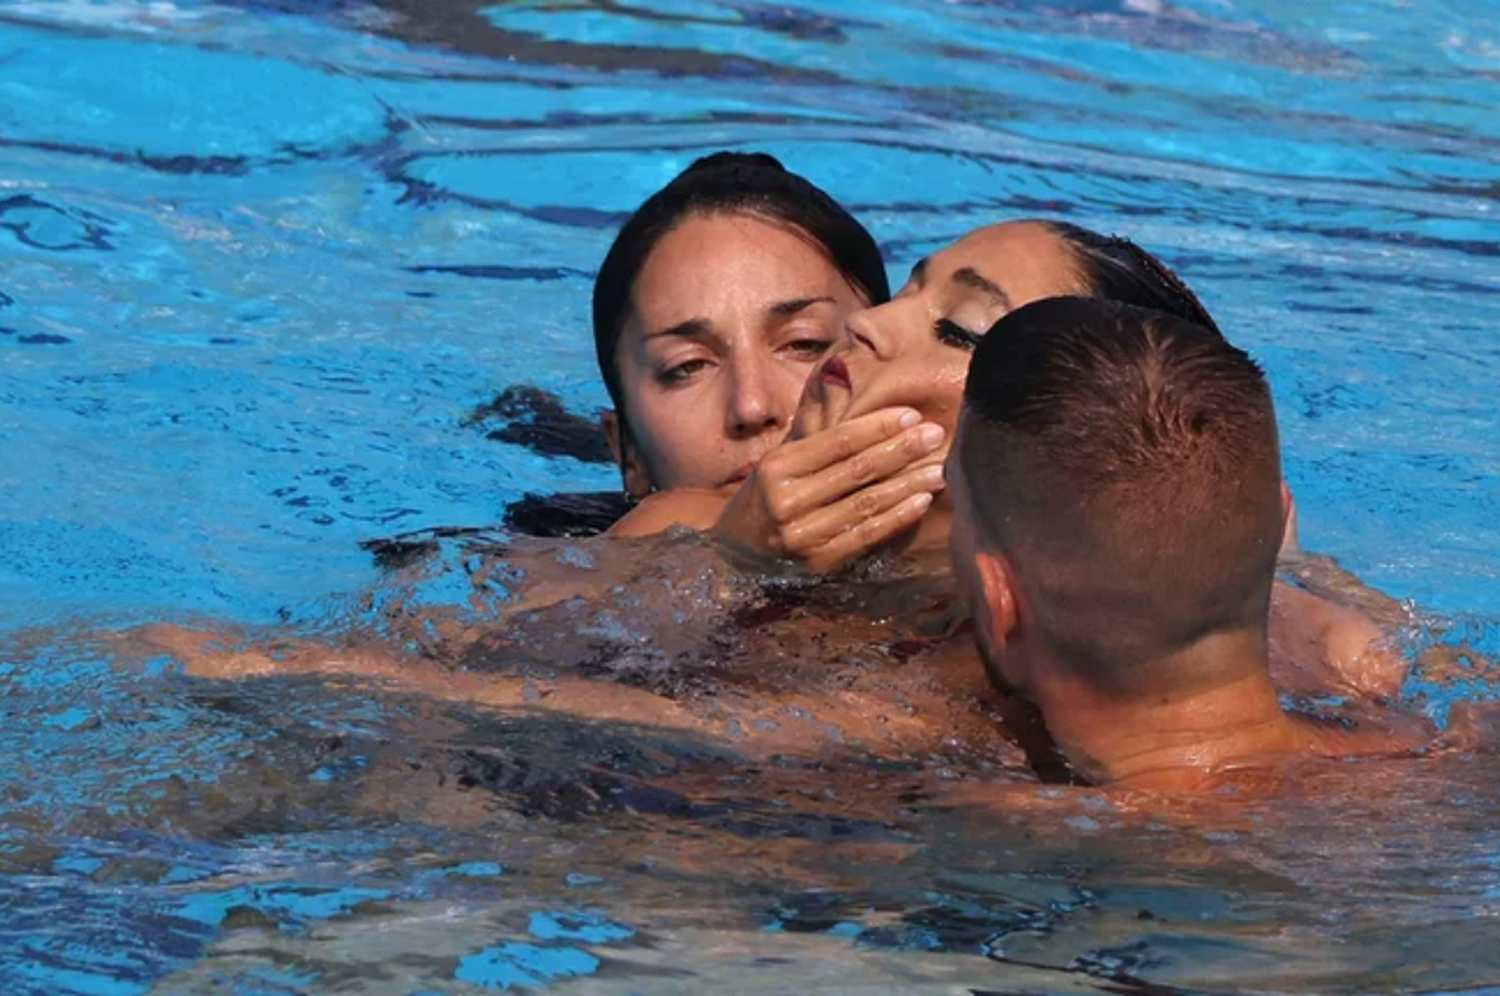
point(1116, 480)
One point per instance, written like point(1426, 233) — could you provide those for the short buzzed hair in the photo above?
point(1127, 463)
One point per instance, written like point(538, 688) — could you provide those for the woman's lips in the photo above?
point(835, 371)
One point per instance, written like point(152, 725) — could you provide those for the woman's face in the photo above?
point(729, 316)
point(914, 351)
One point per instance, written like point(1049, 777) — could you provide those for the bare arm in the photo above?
point(1321, 575)
point(1319, 646)
point(693, 508)
point(1331, 626)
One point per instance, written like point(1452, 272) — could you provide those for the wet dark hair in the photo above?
point(727, 183)
point(1116, 269)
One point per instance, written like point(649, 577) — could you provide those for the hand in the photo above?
point(835, 495)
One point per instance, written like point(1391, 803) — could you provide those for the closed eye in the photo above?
point(955, 335)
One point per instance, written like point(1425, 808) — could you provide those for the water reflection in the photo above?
point(304, 817)
point(788, 777)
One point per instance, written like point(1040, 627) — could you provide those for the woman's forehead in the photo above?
point(1017, 249)
point(1015, 262)
point(718, 262)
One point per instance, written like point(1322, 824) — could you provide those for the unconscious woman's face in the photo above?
point(729, 315)
point(914, 350)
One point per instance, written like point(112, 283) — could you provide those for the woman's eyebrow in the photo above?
point(970, 277)
point(702, 328)
point(787, 308)
point(693, 328)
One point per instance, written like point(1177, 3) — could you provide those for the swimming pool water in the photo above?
point(260, 261)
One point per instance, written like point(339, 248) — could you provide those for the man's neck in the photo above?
point(1172, 739)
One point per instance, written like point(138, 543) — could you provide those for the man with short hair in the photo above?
point(1118, 511)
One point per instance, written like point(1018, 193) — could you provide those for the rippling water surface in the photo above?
point(259, 263)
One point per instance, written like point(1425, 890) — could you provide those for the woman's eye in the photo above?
point(681, 373)
point(808, 348)
point(955, 335)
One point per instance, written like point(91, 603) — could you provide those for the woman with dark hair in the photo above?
point(717, 299)
point(834, 491)
point(862, 468)
point(825, 497)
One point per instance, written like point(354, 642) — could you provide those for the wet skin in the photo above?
point(911, 352)
point(728, 317)
point(914, 350)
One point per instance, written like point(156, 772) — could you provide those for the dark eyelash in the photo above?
point(953, 334)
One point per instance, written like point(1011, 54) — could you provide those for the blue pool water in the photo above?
point(260, 261)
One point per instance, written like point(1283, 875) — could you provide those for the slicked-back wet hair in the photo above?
point(1116, 269)
point(750, 183)
point(1126, 462)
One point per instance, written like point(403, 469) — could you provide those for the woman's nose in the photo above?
point(755, 406)
point(870, 329)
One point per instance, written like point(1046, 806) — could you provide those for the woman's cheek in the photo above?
point(938, 400)
point(952, 386)
point(659, 423)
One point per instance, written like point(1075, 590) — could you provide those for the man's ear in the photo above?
point(633, 474)
point(1291, 543)
point(996, 616)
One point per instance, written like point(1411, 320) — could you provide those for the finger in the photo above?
point(870, 534)
point(801, 457)
point(880, 462)
point(827, 524)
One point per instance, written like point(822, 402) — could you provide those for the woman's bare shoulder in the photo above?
point(694, 508)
